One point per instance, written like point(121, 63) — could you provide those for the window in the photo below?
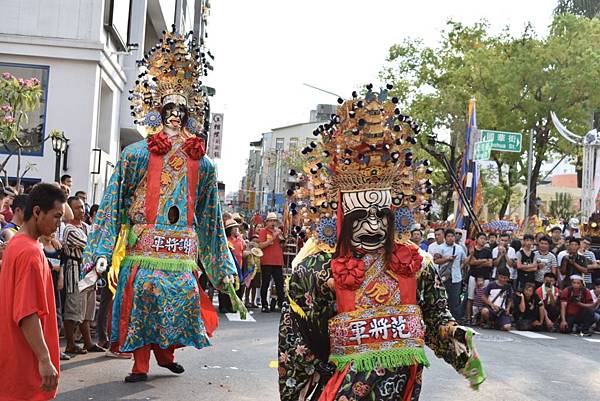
point(279, 143)
point(32, 134)
point(293, 143)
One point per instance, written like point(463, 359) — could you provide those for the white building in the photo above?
point(84, 52)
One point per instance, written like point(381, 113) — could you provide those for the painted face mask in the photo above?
point(174, 116)
point(369, 211)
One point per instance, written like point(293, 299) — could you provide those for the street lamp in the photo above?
point(59, 145)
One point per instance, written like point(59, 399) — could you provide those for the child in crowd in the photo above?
point(478, 300)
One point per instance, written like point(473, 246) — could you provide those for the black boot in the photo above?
point(174, 367)
point(136, 377)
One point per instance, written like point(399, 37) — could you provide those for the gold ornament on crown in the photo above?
point(367, 145)
point(169, 73)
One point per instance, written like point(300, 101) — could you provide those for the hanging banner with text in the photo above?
point(215, 136)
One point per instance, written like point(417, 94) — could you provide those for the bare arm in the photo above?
point(522, 304)
point(32, 331)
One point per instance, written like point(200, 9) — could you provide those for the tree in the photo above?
point(561, 207)
point(516, 81)
point(586, 8)
point(18, 97)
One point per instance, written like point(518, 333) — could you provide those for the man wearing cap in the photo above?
point(576, 307)
point(269, 240)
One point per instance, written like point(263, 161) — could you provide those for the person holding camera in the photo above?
point(497, 300)
point(573, 263)
point(528, 310)
point(576, 307)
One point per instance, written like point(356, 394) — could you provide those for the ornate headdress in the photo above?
point(170, 73)
point(366, 146)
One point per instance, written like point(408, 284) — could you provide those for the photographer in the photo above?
point(573, 263)
point(576, 307)
point(528, 310)
point(497, 299)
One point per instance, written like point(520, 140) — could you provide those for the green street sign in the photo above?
point(483, 150)
point(503, 141)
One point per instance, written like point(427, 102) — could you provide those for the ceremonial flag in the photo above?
point(469, 174)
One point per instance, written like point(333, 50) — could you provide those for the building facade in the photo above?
point(84, 52)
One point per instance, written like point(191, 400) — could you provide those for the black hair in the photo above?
point(528, 236)
point(94, 209)
point(449, 231)
point(588, 239)
point(80, 192)
point(228, 231)
point(64, 178)
point(545, 238)
point(19, 202)
point(576, 240)
point(505, 235)
point(555, 229)
point(480, 234)
point(440, 229)
point(495, 234)
point(73, 199)
point(44, 196)
point(503, 271)
point(550, 274)
point(416, 229)
point(344, 246)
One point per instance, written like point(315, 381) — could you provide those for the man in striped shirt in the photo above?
point(592, 262)
point(79, 307)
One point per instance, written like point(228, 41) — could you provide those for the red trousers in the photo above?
point(141, 357)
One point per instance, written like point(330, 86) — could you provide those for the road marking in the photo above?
point(235, 317)
point(531, 334)
point(592, 340)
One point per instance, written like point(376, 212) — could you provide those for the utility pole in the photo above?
point(528, 194)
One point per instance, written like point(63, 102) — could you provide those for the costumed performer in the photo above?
point(161, 214)
point(363, 300)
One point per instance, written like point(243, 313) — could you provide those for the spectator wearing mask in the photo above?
point(576, 307)
point(528, 309)
point(527, 267)
point(573, 263)
point(547, 261)
point(80, 307)
point(492, 240)
point(29, 350)
point(18, 208)
point(549, 293)
point(592, 264)
point(435, 246)
point(480, 264)
point(504, 256)
point(498, 296)
point(451, 260)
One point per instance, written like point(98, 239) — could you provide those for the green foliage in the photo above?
point(586, 8)
point(17, 98)
point(516, 81)
point(562, 206)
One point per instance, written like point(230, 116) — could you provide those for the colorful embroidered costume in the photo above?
point(363, 302)
point(160, 215)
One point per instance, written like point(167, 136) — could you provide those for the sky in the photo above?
point(266, 49)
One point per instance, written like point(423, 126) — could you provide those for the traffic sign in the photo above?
point(483, 150)
point(503, 141)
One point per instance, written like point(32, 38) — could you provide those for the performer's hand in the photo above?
point(101, 265)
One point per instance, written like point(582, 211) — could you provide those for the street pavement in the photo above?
point(241, 365)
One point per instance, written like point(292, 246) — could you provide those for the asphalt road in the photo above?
point(240, 366)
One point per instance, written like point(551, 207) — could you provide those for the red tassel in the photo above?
point(208, 312)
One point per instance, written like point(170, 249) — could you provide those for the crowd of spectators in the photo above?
point(496, 280)
point(76, 311)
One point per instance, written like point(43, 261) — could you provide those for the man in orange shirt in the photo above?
point(269, 240)
point(29, 350)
